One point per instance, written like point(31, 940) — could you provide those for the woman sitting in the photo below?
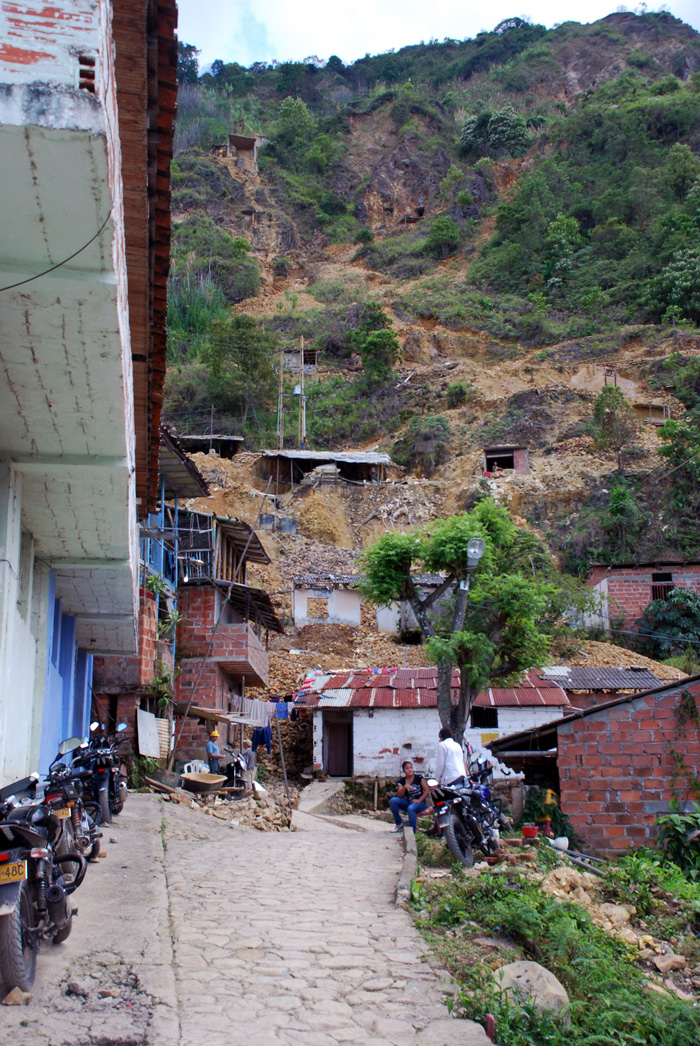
point(412, 794)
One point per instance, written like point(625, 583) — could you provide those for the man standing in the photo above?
point(249, 772)
point(450, 769)
point(412, 793)
point(213, 752)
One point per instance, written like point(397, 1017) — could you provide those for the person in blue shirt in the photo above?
point(213, 752)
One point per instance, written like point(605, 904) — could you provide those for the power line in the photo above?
point(20, 283)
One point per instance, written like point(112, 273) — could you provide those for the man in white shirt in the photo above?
point(450, 769)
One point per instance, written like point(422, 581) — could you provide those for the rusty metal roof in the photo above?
point(417, 688)
point(326, 580)
point(592, 677)
point(360, 457)
point(181, 475)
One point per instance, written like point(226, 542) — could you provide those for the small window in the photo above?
point(661, 585)
point(317, 608)
point(484, 718)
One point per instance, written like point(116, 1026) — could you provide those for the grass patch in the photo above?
point(610, 1005)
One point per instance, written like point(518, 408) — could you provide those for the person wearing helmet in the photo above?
point(213, 752)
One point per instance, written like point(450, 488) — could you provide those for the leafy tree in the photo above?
point(240, 360)
point(295, 124)
point(498, 626)
point(561, 240)
point(379, 351)
point(187, 63)
point(501, 131)
point(682, 170)
point(671, 625)
point(678, 284)
point(507, 130)
point(444, 237)
point(613, 425)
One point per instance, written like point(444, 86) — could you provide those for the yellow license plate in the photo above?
point(63, 812)
point(10, 873)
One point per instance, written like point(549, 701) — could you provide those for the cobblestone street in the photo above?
point(192, 930)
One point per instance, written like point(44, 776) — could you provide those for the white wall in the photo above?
point(343, 606)
point(382, 741)
point(18, 648)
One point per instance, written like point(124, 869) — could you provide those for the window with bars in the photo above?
point(484, 718)
point(661, 585)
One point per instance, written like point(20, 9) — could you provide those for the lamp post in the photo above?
point(475, 550)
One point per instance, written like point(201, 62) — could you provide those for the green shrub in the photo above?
point(424, 445)
point(458, 392)
point(363, 235)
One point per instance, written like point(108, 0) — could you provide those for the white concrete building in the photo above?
point(326, 598)
point(87, 97)
point(367, 722)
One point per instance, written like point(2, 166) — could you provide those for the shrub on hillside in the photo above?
point(424, 446)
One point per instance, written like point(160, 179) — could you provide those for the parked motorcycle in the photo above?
point(34, 894)
point(467, 817)
point(106, 784)
point(80, 816)
point(234, 770)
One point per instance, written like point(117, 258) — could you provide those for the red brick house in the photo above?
point(618, 765)
point(221, 638)
point(628, 588)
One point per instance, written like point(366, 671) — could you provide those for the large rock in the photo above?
point(531, 981)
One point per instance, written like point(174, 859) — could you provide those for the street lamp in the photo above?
point(475, 550)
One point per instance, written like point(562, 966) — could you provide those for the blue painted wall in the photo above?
point(67, 689)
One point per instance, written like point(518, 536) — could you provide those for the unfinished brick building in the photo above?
point(626, 589)
point(618, 766)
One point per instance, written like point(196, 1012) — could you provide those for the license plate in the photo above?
point(63, 812)
point(11, 873)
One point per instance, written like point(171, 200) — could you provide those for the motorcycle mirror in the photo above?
point(93, 727)
point(69, 745)
point(432, 783)
point(121, 727)
point(84, 743)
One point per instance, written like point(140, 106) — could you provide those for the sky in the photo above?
point(248, 31)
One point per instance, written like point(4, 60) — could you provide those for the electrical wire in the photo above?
point(20, 283)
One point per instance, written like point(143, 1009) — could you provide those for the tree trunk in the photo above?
point(444, 693)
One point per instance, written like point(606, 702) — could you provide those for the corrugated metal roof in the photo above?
point(417, 688)
point(360, 457)
point(326, 580)
point(591, 677)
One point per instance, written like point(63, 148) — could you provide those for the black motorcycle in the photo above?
point(105, 783)
point(467, 817)
point(80, 816)
point(234, 771)
point(34, 894)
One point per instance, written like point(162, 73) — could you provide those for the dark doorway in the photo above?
point(338, 747)
point(504, 459)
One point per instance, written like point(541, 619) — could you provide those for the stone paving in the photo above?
point(197, 931)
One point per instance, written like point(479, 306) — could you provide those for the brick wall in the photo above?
point(235, 645)
point(616, 770)
point(629, 588)
point(112, 672)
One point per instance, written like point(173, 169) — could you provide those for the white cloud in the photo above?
point(245, 32)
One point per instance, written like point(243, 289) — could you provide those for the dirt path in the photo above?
point(193, 930)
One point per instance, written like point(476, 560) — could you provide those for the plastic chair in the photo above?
point(196, 767)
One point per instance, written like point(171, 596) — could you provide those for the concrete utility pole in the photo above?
point(280, 404)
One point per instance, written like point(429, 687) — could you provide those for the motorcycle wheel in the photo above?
point(17, 955)
point(458, 842)
point(106, 813)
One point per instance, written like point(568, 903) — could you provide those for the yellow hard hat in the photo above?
point(215, 732)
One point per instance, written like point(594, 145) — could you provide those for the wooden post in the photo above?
point(302, 402)
point(376, 791)
point(280, 404)
point(284, 768)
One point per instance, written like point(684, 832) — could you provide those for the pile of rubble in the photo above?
point(261, 812)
